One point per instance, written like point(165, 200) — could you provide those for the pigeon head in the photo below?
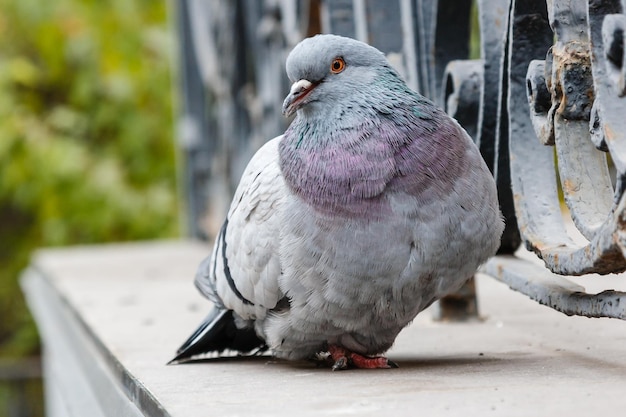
point(360, 131)
point(328, 69)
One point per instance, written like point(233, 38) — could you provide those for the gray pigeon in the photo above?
point(373, 204)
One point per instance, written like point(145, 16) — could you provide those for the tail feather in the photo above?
point(216, 334)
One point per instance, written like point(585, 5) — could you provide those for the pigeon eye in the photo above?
point(337, 65)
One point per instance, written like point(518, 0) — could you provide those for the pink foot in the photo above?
point(344, 358)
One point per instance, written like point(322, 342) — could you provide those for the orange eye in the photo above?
point(337, 65)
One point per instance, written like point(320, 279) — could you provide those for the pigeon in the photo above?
point(373, 204)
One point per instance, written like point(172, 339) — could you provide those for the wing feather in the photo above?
point(243, 270)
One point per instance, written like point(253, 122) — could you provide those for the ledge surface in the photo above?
point(134, 304)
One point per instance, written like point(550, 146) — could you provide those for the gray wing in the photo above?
point(243, 270)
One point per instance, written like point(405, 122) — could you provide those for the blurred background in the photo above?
point(86, 148)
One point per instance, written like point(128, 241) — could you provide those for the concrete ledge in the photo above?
point(112, 316)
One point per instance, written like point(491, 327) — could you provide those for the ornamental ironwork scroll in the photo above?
point(566, 124)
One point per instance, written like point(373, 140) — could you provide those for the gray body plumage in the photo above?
point(373, 204)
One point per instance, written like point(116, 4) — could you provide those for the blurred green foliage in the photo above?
point(86, 149)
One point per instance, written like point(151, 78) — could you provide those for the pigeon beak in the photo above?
point(295, 99)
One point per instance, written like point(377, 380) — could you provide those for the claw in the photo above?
point(392, 364)
point(340, 364)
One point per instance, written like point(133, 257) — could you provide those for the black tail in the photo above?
point(216, 334)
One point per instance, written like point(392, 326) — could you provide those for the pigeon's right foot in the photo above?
point(344, 359)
